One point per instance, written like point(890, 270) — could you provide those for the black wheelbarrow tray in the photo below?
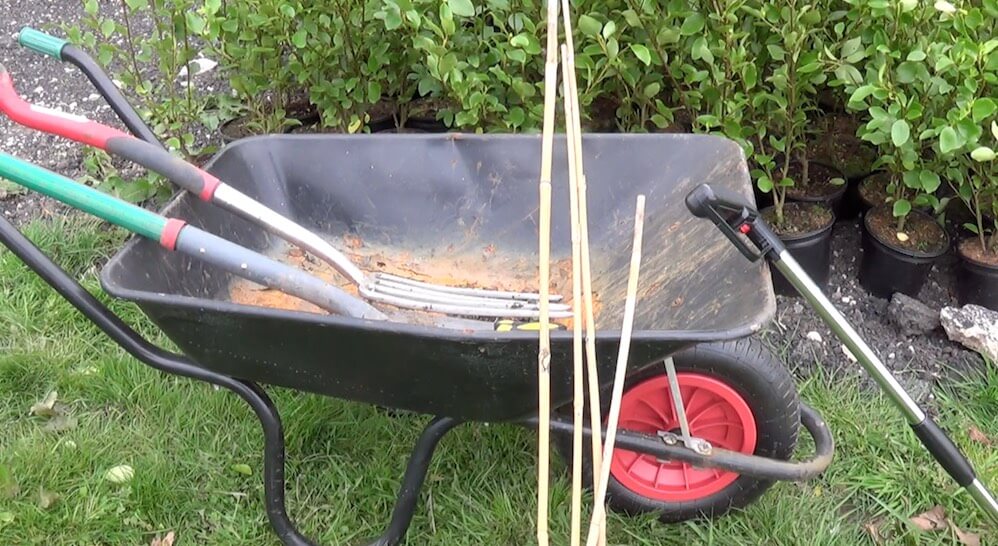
point(475, 197)
point(436, 195)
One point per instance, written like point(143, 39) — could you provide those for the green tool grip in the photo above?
point(40, 42)
point(133, 218)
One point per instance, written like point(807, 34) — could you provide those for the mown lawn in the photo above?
point(188, 442)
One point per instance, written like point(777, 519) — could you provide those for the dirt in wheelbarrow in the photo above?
point(486, 268)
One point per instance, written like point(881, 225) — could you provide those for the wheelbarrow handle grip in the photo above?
point(134, 219)
point(704, 197)
point(40, 42)
point(64, 50)
point(85, 131)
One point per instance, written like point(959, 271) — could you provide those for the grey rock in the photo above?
point(910, 316)
point(974, 326)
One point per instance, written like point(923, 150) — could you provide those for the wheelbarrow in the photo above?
point(447, 195)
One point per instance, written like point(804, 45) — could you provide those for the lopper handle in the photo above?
point(133, 218)
point(38, 41)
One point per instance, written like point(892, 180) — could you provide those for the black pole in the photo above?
point(110, 92)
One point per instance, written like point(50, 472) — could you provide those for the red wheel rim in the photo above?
point(715, 413)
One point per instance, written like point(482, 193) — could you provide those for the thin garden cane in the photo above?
point(578, 398)
point(378, 287)
point(544, 251)
point(592, 372)
point(599, 507)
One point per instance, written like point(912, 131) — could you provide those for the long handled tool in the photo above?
point(544, 246)
point(176, 235)
point(378, 287)
point(733, 216)
point(599, 508)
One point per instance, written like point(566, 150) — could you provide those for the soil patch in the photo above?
point(799, 218)
point(971, 248)
point(923, 233)
point(484, 270)
point(873, 189)
point(838, 145)
point(819, 181)
point(919, 362)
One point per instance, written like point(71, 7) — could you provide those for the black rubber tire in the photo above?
point(765, 384)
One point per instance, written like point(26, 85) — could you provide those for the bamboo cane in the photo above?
point(599, 508)
point(578, 401)
point(595, 405)
point(544, 243)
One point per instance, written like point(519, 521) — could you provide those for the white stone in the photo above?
point(814, 336)
point(974, 326)
point(848, 353)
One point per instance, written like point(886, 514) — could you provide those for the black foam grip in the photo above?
point(945, 451)
point(160, 161)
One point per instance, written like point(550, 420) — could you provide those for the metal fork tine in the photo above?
point(492, 294)
point(430, 296)
point(463, 310)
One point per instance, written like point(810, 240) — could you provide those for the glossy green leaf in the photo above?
point(929, 180)
point(589, 26)
point(949, 140)
point(692, 25)
point(983, 108)
point(982, 154)
point(901, 208)
point(642, 53)
point(609, 29)
point(900, 132)
point(462, 8)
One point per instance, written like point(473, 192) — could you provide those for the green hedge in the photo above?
point(920, 77)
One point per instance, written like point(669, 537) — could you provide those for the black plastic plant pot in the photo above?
point(976, 281)
point(886, 268)
point(813, 250)
point(834, 199)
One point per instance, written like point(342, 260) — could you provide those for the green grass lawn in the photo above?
point(187, 441)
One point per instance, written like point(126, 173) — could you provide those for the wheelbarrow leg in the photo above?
point(412, 482)
point(256, 397)
point(734, 216)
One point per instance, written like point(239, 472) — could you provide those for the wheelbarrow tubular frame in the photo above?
point(267, 413)
point(733, 216)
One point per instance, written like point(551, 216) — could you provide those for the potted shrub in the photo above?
point(793, 37)
point(903, 90)
point(977, 276)
point(969, 138)
point(254, 41)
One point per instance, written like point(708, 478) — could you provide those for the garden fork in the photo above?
point(377, 287)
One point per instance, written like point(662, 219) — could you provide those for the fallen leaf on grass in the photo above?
point(45, 407)
point(61, 423)
point(967, 539)
point(931, 520)
point(935, 520)
point(872, 528)
point(165, 541)
point(119, 474)
point(979, 437)
point(243, 469)
point(46, 499)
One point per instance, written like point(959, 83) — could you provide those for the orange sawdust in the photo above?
point(488, 268)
